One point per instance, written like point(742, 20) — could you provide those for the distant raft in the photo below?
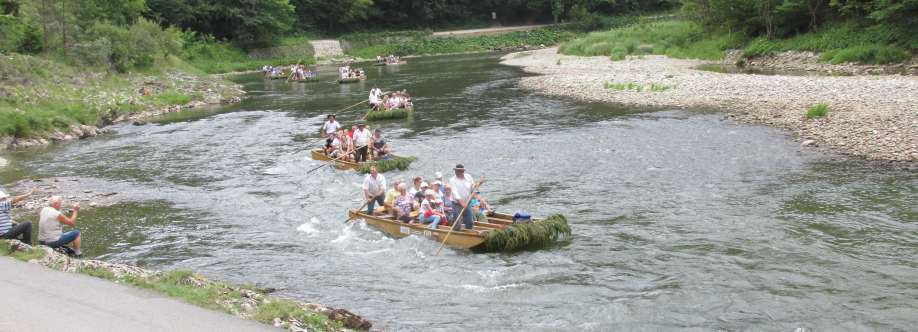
point(352, 79)
point(500, 234)
point(393, 163)
point(395, 113)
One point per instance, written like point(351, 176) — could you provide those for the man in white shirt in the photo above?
point(462, 185)
point(374, 99)
point(50, 219)
point(374, 189)
point(362, 137)
point(330, 127)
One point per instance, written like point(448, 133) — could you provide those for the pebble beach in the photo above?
point(873, 116)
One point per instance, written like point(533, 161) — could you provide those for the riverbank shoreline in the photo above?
point(246, 302)
point(873, 117)
point(74, 103)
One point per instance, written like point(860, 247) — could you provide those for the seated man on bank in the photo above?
point(8, 228)
point(50, 220)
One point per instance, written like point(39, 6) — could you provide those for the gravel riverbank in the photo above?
point(875, 117)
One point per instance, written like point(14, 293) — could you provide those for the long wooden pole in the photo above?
point(461, 212)
point(358, 210)
point(361, 102)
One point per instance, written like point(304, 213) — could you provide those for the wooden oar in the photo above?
point(461, 212)
point(358, 210)
point(326, 164)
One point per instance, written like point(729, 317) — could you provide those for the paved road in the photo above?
point(486, 31)
point(36, 298)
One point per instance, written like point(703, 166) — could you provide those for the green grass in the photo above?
point(25, 256)
point(846, 42)
point(631, 86)
point(285, 310)
point(422, 42)
point(169, 98)
point(31, 120)
point(40, 94)
point(675, 38)
point(659, 87)
point(218, 57)
point(819, 110)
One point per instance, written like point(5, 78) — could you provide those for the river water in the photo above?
point(681, 220)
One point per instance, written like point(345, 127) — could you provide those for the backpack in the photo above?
point(522, 218)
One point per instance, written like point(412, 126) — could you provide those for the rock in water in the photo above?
point(808, 142)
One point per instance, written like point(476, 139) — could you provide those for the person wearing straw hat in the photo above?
point(330, 126)
point(8, 228)
point(362, 137)
point(462, 185)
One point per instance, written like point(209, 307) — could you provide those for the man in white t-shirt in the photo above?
point(373, 98)
point(374, 189)
point(362, 137)
point(330, 127)
point(50, 220)
point(462, 185)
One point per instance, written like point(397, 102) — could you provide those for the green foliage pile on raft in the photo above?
point(529, 235)
point(398, 113)
point(391, 164)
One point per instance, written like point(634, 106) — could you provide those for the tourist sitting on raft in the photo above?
point(274, 72)
point(389, 60)
point(395, 100)
point(358, 145)
point(346, 72)
point(375, 97)
point(425, 204)
point(301, 73)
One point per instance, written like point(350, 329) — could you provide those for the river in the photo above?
point(681, 219)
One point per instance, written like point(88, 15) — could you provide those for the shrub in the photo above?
point(19, 35)
point(819, 110)
point(136, 46)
